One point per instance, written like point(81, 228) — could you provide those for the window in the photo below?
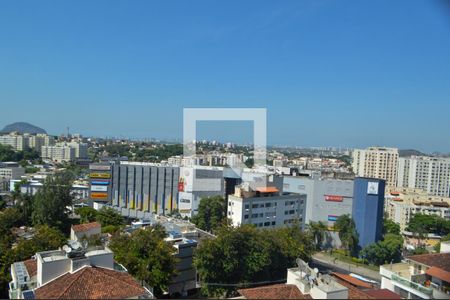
point(247, 206)
point(268, 204)
point(185, 201)
point(255, 206)
point(266, 223)
point(245, 216)
point(254, 215)
point(273, 223)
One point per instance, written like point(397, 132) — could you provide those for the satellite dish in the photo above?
point(316, 271)
point(66, 248)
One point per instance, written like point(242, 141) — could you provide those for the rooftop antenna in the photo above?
point(68, 131)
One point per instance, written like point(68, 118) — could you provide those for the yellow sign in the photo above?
point(99, 195)
point(100, 175)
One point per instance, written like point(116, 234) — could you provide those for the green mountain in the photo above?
point(22, 127)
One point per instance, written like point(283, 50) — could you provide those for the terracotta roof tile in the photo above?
point(383, 294)
point(353, 292)
point(31, 266)
point(275, 291)
point(439, 260)
point(91, 283)
point(439, 273)
point(85, 226)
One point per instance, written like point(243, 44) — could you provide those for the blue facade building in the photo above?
point(368, 208)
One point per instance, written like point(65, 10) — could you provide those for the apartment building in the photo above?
point(21, 141)
point(81, 149)
point(61, 153)
point(403, 203)
point(17, 141)
point(265, 207)
point(431, 174)
point(376, 162)
point(186, 278)
point(425, 276)
point(39, 140)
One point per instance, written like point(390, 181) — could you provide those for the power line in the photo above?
point(241, 284)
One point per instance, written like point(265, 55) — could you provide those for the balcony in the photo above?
point(413, 285)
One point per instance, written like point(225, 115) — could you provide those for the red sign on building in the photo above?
point(334, 198)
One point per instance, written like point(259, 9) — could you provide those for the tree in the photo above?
point(390, 226)
point(318, 231)
point(422, 224)
point(242, 255)
point(385, 251)
point(52, 201)
point(147, 256)
point(2, 203)
point(45, 238)
point(211, 213)
point(109, 216)
point(347, 233)
point(87, 214)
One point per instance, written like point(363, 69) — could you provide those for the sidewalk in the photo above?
point(351, 268)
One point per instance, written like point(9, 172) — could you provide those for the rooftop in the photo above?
point(91, 283)
point(439, 260)
point(85, 227)
point(276, 291)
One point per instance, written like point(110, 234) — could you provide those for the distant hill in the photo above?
point(410, 152)
point(22, 127)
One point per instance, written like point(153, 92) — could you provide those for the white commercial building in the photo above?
point(431, 174)
point(265, 207)
point(376, 162)
point(195, 183)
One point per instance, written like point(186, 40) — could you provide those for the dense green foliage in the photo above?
point(7, 153)
point(390, 226)
point(87, 214)
point(347, 233)
point(146, 256)
point(110, 219)
point(212, 213)
point(52, 200)
point(108, 216)
point(159, 152)
point(45, 238)
point(245, 255)
point(385, 251)
point(421, 224)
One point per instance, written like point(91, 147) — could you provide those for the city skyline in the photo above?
point(345, 75)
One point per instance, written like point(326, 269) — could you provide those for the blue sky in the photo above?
point(330, 73)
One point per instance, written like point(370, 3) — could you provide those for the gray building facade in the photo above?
point(326, 199)
point(145, 187)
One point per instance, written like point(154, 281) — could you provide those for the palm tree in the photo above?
point(318, 231)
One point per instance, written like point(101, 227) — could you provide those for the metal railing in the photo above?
point(413, 285)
